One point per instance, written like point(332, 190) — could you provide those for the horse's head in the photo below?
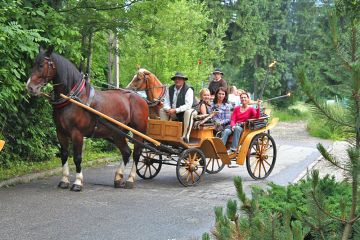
point(43, 71)
point(139, 81)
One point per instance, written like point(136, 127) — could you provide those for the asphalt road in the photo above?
point(156, 209)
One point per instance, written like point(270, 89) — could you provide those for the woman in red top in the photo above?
point(240, 115)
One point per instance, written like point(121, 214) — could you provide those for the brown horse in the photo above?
point(74, 123)
point(155, 90)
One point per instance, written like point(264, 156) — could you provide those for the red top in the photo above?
point(240, 117)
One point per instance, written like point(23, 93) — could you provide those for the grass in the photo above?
point(297, 112)
point(91, 157)
point(317, 127)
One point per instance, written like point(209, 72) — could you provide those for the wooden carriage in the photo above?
point(206, 152)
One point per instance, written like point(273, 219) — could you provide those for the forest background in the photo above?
point(191, 36)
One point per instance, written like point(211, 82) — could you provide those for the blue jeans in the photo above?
point(236, 137)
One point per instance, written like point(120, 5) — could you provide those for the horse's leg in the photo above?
point(78, 140)
point(121, 143)
point(64, 153)
point(130, 182)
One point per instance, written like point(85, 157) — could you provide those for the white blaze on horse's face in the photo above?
point(33, 89)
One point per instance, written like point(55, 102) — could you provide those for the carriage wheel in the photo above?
point(149, 164)
point(261, 156)
point(190, 167)
point(214, 165)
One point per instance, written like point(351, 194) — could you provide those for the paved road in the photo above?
point(155, 209)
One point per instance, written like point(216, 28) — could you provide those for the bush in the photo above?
point(285, 212)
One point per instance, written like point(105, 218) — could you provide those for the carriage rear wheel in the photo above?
point(261, 156)
point(214, 165)
point(190, 167)
point(149, 164)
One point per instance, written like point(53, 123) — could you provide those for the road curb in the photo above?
point(310, 167)
point(33, 176)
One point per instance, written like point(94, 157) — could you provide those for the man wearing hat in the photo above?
point(217, 82)
point(179, 98)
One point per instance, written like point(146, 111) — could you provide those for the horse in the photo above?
point(155, 90)
point(74, 123)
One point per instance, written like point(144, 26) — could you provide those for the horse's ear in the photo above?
point(41, 49)
point(49, 51)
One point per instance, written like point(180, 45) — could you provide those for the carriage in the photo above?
point(205, 152)
point(112, 114)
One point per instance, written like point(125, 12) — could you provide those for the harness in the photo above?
point(155, 101)
point(74, 93)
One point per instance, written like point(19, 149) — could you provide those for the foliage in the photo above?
point(284, 212)
point(345, 41)
point(172, 36)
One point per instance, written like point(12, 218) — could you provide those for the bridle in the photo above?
point(48, 76)
point(148, 91)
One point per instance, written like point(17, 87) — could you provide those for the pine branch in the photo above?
point(330, 157)
point(325, 212)
point(307, 89)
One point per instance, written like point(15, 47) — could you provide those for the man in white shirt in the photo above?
point(178, 98)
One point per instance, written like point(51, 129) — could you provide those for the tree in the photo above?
point(347, 48)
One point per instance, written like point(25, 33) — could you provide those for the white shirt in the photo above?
point(234, 100)
point(189, 97)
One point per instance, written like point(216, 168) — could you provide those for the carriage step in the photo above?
point(233, 166)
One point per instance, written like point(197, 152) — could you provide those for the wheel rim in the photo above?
point(190, 167)
point(261, 156)
point(149, 164)
point(214, 165)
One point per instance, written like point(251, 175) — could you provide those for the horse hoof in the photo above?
point(129, 185)
point(76, 188)
point(119, 184)
point(63, 185)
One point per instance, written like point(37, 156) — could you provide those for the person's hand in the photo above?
point(233, 128)
point(171, 111)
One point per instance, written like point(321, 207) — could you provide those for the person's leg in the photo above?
point(225, 135)
point(163, 115)
point(236, 137)
point(188, 123)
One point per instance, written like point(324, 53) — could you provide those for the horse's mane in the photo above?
point(68, 74)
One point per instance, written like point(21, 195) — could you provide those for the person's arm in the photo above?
point(167, 100)
point(189, 100)
point(227, 114)
point(202, 109)
point(233, 117)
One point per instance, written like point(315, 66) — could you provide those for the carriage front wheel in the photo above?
point(149, 164)
point(190, 167)
point(261, 156)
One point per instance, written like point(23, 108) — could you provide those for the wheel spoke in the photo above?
point(141, 167)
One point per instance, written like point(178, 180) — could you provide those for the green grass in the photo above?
point(297, 112)
point(91, 157)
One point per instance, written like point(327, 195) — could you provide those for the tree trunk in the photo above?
point(110, 61)
point(89, 54)
point(83, 53)
point(117, 70)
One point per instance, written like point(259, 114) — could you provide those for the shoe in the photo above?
point(230, 151)
point(185, 140)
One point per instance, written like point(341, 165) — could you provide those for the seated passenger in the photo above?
point(203, 108)
point(234, 97)
point(223, 109)
point(239, 116)
point(178, 98)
